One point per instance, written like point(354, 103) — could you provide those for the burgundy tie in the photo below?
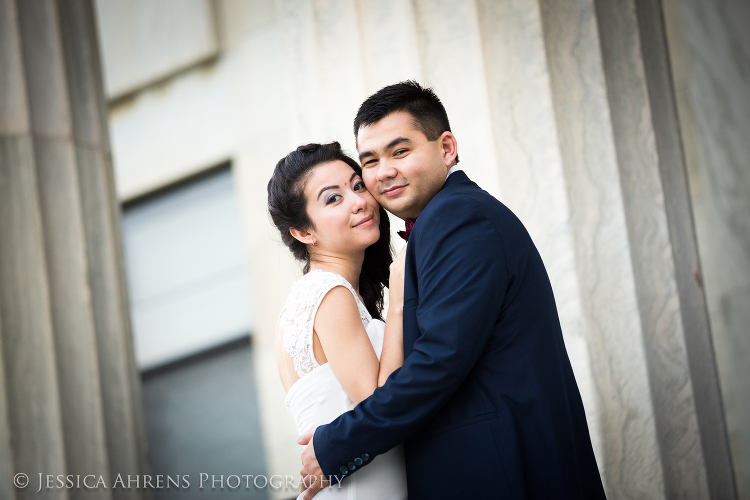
point(409, 224)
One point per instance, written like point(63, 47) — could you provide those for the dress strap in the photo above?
point(298, 316)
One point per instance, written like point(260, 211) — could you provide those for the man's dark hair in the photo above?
point(428, 113)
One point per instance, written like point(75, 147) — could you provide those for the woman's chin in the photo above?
point(375, 237)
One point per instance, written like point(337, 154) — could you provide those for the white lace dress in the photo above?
point(317, 397)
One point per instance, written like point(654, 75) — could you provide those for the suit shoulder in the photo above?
point(472, 204)
point(466, 202)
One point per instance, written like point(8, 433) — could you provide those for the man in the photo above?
point(485, 403)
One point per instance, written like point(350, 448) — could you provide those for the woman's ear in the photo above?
point(305, 237)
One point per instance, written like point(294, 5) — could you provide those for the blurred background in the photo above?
point(141, 278)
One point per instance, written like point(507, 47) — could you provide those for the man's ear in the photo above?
point(305, 237)
point(449, 148)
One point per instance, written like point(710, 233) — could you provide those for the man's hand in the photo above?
point(313, 479)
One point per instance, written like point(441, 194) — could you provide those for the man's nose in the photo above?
point(386, 171)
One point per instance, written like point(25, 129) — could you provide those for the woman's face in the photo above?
point(345, 216)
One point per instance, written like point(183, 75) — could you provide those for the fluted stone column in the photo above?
point(590, 160)
point(28, 360)
point(450, 49)
point(688, 410)
point(125, 430)
point(72, 389)
point(567, 84)
point(6, 455)
point(65, 248)
point(709, 406)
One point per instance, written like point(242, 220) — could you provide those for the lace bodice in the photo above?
point(298, 316)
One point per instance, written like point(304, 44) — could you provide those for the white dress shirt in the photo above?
point(454, 168)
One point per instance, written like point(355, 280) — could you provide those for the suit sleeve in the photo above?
point(462, 279)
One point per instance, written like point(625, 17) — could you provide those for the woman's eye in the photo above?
point(332, 199)
point(359, 186)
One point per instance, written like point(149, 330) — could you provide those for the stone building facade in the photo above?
point(616, 131)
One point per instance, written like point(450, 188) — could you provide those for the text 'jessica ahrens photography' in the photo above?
point(159, 481)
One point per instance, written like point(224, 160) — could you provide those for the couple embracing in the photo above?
point(466, 391)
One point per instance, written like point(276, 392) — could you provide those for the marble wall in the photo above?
point(553, 107)
point(710, 49)
point(183, 31)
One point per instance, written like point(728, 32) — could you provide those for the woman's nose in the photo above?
point(358, 204)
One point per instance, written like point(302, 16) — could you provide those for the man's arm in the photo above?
point(462, 280)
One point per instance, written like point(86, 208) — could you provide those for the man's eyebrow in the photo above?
point(397, 141)
point(393, 143)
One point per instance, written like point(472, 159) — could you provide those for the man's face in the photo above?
point(400, 167)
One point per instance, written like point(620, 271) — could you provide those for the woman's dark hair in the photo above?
point(287, 206)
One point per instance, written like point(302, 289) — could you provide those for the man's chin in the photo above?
point(396, 209)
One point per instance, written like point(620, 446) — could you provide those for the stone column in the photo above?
point(697, 331)
point(630, 462)
point(65, 248)
point(590, 159)
point(66, 346)
point(688, 410)
point(122, 402)
point(707, 44)
point(29, 363)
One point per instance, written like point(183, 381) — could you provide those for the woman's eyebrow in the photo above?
point(324, 189)
point(355, 174)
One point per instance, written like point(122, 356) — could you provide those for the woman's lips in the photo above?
point(393, 191)
point(366, 222)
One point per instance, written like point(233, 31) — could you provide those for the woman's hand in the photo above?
point(396, 282)
point(392, 356)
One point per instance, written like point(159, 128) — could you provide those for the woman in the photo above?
point(332, 347)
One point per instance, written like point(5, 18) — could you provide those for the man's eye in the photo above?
point(332, 199)
point(369, 163)
point(399, 152)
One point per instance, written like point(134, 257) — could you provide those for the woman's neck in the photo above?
point(347, 267)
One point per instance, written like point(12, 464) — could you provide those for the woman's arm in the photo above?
point(345, 343)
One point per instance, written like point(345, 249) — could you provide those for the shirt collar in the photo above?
point(454, 168)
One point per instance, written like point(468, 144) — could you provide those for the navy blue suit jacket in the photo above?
point(485, 403)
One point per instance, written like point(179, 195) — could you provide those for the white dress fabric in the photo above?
point(317, 398)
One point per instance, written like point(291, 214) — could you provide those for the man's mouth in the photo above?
point(365, 222)
point(393, 191)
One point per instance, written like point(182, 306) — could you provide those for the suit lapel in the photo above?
point(455, 181)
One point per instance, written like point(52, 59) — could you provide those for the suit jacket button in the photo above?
point(351, 466)
point(365, 457)
point(343, 470)
point(357, 461)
